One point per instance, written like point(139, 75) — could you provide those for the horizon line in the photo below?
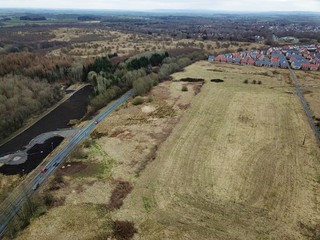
point(162, 10)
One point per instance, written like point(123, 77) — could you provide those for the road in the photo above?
point(306, 108)
point(12, 205)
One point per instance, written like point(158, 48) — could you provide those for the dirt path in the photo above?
point(233, 168)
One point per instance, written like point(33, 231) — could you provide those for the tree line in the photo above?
point(140, 73)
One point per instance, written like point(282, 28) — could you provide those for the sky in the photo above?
point(215, 5)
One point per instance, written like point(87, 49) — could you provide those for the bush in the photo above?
point(137, 101)
point(48, 199)
point(254, 82)
point(78, 153)
point(87, 143)
point(245, 81)
point(259, 82)
point(149, 99)
point(184, 88)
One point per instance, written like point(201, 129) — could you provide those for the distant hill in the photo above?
point(5, 19)
point(88, 18)
point(33, 18)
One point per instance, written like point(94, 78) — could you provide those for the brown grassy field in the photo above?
point(311, 81)
point(308, 78)
point(96, 179)
point(227, 163)
point(312, 97)
point(234, 167)
point(127, 43)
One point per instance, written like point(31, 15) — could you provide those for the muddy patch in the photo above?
point(183, 106)
point(149, 158)
point(123, 230)
point(119, 194)
point(192, 80)
point(71, 168)
point(215, 70)
point(197, 88)
point(123, 134)
point(117, 132)
point(217, 80)
point(244, 119)
point(306, 92)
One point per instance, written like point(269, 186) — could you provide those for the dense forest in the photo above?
point(36, 65)
point(29, 84)
point(20, 97)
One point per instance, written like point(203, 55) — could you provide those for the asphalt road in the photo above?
point(12, 205)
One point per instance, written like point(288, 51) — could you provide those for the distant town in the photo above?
point(302, 57)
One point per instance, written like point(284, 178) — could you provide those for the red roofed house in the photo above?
point(223, 59)
point(244, 61)
point(218, 58)
point(250, 62)
point(305, 66)
point(275, 59)
point(314, 67)
point(293, 58)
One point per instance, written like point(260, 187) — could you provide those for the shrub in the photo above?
point(245, 81)
point(58, 179)
point(78, 153)
point(184, 88)
point(259, 82)
point(137, 101)
point(87, 143)
point(149, 99)
point(48, 199)
point(254, 82)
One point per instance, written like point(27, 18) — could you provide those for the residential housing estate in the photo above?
point(300, 57)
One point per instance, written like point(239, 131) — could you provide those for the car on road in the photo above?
point(96, 122)
point(35, 187)
point(44, 170)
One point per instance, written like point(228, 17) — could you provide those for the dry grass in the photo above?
point(308, 78)
point(135, 132)
point(234, 167)
point(226, 163)
point(125, 44)
point(311, 80)
point(82, 221)
point(312, 96)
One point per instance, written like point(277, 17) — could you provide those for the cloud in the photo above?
point(219, 5)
